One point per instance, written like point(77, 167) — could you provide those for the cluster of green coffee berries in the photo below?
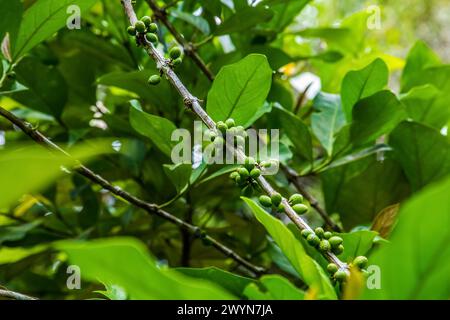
point(245, 177)
point(342, 275)
point(275, 201)
point(146, 27)
point(324, 240)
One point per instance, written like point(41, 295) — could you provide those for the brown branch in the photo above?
point(189, 49)
point(290, 173)
point(150, 208)
point(4, 293)
point(191, 102)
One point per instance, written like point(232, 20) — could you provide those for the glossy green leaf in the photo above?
point(196, 21)
point(308, 269)
point(10, 22)
point(244, 19)
point(42, 20)
point(159, 130)
point(273, 287)
point(415, 264)
point(284, 12)
point(327, 119)
point(179, 174)
point(142, 278)
point(422, 151)
point(240, 89)
point(375, 116)
point(363, 83)
point(357, 243)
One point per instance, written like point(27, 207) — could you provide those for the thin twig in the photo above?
point(4, 293)
point(290, 173)
point(189, 49)
point(149, 207)
point(191, 102)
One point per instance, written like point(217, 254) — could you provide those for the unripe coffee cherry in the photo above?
point(255, 173)
point(276, 199)
point(335, 241)
point(265, 201)
point(175, 53)
point(218, 142)
point(240, 141)
point(249, 163)
point(140, 26)
point(243, 173)
point(360, 262)
point(234, 175)
point(240, 130)
point(154, 79)
point(146, 20)
point(266, 164)
point(230, 123)
point(153, 28)
point(131, 30)
point(341, 275)
point(211, 134)
point(177, 62)
point(300, 208)
point(313, 240)
point(306, 232)
point(325, 246)
point(153, 38)
point(247, 191)
point(338, 250)
point(222, 126)
point(296, 199)
point(319, 232)
point(327, 235)
point(332, 268)
point(280, 207)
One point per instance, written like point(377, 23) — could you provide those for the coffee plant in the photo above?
point(219, 150)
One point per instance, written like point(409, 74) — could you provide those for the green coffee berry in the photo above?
point(280, 207)
point(266, 164)
point(230, 123)
point(247, 191)
point(243, 173)
point(306, 232)
point(338, 250)
point(234, 175)
point(341, 275)
point(325, 246)
point(211, 135)
point(222, 126)
point(240, 141)
point(296, 199)
point(153, 28)
point(140, 27)
point(300, 208)
point(240, 130)
point(153, 38)
point(320, 232)
point(313, 240)
point(265, 201)
point(249, 163)
point(154, 79)
point(332, 268)
point(276, 199)
point(146, 20)
point(231, 130)
point(131, 30)
point(360, 262)
point(177, 62)
point(255, 173)
point(218, 142)
point(327, 235)
point(335, 241)
point(238, 180)
point(175, 53)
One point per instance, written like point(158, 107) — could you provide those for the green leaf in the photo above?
point(141, 278)
point(375, 116)
point(357, 243)
point(419, 58)
point(240, 89)
point(197, 21)
point(16, 232)
point(244, 19)
point(179, 174)
point(297, 131)
point(10, 21)
point(273, 287)
point(422, 151)
point(327, 119)
point(360, 189)
point(425, 105)
point(49, 96)
point(234, 283)
point(415, 264)
point(284, 12)
point(159, 130)
point(42, 20)
point(363, 83)
point(308, 269)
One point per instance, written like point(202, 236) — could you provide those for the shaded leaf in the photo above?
point(273, 287)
